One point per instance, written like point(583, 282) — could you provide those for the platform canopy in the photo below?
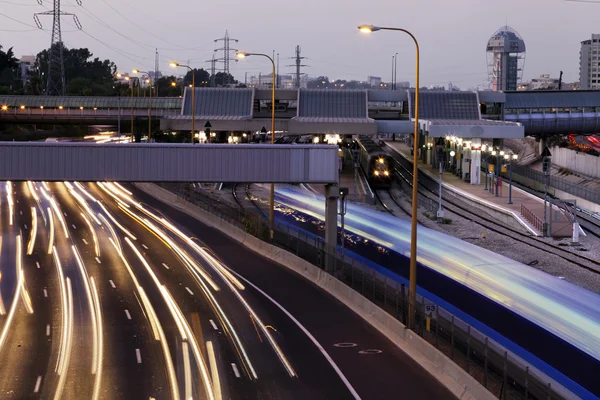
point(472, 129)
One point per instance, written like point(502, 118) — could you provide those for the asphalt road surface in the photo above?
point(107, 293)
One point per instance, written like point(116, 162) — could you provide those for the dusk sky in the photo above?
point(452, 34)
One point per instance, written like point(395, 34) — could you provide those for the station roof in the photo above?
point(102, 102)
point(219, 103)
point(446, 105)
point(480, 128)
point(333, 104)
point(553, 99)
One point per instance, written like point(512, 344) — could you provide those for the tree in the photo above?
point(98, 73)
point(9, 67)
point(201, 76)
point(322, 82)
point(221, 78)
point(166, 88)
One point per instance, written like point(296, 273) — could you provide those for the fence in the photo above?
point(504, 375)
point(532, 218)
point(556, 183)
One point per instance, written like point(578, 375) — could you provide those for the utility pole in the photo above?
point(298, 65)
point(226, 49)
point(546, 159)
point(155, 78)
point(56, 65)
point(212, 62)
point(560, 81)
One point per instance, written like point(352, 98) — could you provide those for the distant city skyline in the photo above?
point(452, 37)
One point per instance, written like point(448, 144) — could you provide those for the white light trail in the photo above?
point(13, 307)
point(31, 243)
point(117, 241)
point(94, 236)
point(62, 372)
point(9, 199)
point(116, 223)
point(51, 241)
point(212, 360)
point(98, 380)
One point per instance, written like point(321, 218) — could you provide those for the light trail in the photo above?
point(51, 240)
point(187, 371)
point(154, 324)
point(59, 215)
point(64, 300)
point(115, 222)
point(214, 370)
point(13, 307)
point(62, 372)
point(83, 203)
point(32, 190)
point(31, 243)
point(117, 241)
point(9, 199)
point(94, 236)
point(117, 184)
point(85, 192)
point(93, 317)
point(98, 380)
point(2, 309)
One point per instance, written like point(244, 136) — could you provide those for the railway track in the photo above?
point(385, 198)
point(403, 171)
point(245, 197)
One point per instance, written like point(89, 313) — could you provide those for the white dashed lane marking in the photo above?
point(37, 264)
point(235, 370)
point(98, 260)
point(189, 291)
point(127, 314)
point(38, 383)
point(165, 265)
point(73, 225)
point(138, 356)
point(213, 324)
point(144, 246)
point(84, 241)
point(45, 293)
point(48, 330)
point(112, 284)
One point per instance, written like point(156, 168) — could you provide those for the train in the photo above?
point(376, 164)
point(551, 324)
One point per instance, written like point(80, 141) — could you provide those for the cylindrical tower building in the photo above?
point(506, 59)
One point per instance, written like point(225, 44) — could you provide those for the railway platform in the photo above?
point(526, 210)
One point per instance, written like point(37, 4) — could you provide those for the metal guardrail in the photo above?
point(503, 374)
point(557, 183)
point(533, 219)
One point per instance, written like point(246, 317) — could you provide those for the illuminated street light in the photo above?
point(243, 54)
point(137, 71)
point(174, 64)
point(413, 232)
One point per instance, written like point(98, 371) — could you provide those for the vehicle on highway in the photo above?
point(375, 163)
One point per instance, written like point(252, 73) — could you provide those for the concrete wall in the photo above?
point(576, 161)
point(457, 380)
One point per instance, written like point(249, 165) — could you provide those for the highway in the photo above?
point(107, 293)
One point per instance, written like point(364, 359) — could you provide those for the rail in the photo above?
point(503, 374)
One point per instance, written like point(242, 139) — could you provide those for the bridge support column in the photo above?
point(332, 194)
point(475, 162)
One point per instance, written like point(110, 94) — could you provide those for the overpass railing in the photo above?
point(16, 113)
point(503, 374)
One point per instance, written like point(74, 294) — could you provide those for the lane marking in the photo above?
point(165, 265)
point(65, 213)
point(84, 241)
point(37, 264)
point(144, 246)
point(213, 324)
point(138, 356)
point(47, 329)
point(306, 332)
point(235, 370)
point(25, 225)
point(20, 212)
point(73, 225)
point(188, 289)
point(37, 384)
point(127, 313)
point(45, 293)
point(98, 260)
point(112, 284)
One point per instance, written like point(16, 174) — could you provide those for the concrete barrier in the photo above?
point(457, 380)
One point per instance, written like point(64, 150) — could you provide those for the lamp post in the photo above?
point(514, 157)
point(494, 153)
point(343, 193)
point(137, 71)
point(501, 155)
point(413, 233)
point(175, 65)
point(131, 80)
point(241, 54)
point(484, 151)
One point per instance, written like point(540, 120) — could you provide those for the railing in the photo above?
point(556, 183)
point(85, 113)
point(503, 374)
point(532, 218)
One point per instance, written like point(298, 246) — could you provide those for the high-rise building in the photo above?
point(27, 65)
point(589, 64)
point(506, 57)
point(374, 81)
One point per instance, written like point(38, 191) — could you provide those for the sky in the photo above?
point(452, 34)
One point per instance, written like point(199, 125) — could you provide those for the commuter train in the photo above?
point(376, 164)
point(551, 324)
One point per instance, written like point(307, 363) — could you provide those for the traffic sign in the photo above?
point(430, 308)
point(546, 152)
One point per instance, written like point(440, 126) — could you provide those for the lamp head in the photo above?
point(368, 28)
point(174, 64)
point(173, 84)
point(241, 54)
point(127, 78)
point(119, 75)
point(515, 156)
point(135, 71)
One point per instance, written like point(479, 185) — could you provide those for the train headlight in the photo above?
point(376, 173)
point(386, 172)
point(380, 160)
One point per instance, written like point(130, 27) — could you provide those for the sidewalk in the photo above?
point(532, 217)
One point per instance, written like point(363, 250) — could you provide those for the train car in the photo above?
point(376, 164)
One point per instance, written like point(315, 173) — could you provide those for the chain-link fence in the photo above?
point(503, 374)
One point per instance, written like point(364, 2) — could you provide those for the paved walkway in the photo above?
point(533, 212)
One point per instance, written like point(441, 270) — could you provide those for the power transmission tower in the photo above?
point(56, 65)
point(298, 65)
point(213, 63)
point(156, 72)
point(226, 49)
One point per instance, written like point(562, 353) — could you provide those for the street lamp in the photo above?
point(137, 71)
point(343, 193)
point(492, 175)
point(413, 233)
point(241, 54)
point(514, 157)
point(501, 155)
point(175, 65)
point(131, 80)
point(484, 151)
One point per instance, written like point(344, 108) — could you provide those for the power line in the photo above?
point(17, 21)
